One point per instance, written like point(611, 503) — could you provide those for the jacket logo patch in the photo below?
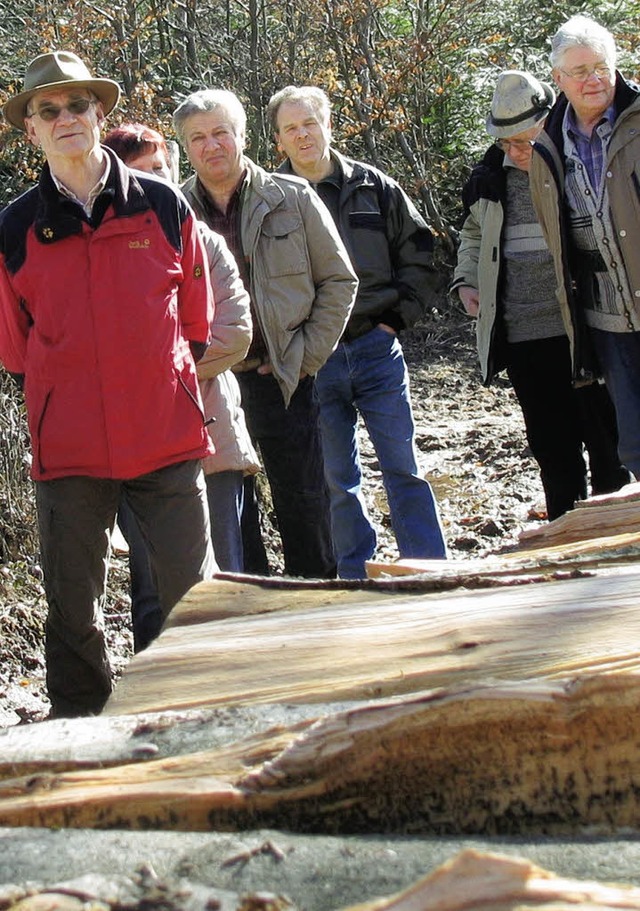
point(140, 244)
point(47, 233)
point(197, 271)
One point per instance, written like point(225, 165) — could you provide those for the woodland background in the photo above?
point(410, 83)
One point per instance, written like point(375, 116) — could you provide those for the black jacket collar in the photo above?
point(58, 217)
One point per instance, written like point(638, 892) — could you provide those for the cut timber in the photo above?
point(529, 564)
point(542, 757)
point(315, 645)
point(495, 883)
point(599, 517)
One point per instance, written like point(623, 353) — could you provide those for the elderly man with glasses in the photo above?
point(105, 304)
point(585, 183)
point(506, 279)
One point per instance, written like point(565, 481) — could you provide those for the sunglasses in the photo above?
point(51, 112)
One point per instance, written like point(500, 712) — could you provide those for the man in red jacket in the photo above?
point(105, 305)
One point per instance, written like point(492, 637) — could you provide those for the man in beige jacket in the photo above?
point(302, 288)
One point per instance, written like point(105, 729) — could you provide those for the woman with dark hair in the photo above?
point(144, 149)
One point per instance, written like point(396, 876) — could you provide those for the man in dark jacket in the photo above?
point(391, 248)
point(105, 302)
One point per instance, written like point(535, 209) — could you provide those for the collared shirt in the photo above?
point(591, 150)
point(87, 206)
point(228, 224)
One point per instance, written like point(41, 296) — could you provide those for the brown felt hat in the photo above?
point(57, 70)
point(519, 102)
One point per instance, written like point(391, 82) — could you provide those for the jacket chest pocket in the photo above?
point(284, 244)
point(370, 221)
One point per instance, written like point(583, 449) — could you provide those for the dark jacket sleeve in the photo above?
point(411, 249)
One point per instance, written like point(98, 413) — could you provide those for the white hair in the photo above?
point(581, 31)
point(206, 101)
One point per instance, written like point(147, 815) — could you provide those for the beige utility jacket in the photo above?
point(303, 286)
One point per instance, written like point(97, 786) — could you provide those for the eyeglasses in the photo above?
point(51, 112)
point(582, 73)
point(518, 144)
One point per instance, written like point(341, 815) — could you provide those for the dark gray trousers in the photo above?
point(76, 516)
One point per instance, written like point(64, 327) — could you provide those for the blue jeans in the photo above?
point(256, 562)
point(619, 356)
point(146, 613)
point(291, 452)
point(225, 494)
point(369, 375)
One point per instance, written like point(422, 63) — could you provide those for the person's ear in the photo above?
point(30, 131)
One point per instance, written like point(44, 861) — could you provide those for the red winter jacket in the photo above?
point(98, 314)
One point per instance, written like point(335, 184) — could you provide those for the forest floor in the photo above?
point(472, 447)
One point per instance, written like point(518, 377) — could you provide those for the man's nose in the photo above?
point(66, 116)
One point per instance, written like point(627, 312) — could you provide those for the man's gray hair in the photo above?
point(581, 31)
point(317, 100)
point(206, 101)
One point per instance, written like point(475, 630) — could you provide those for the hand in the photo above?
point(265, 369)
point(386, 328)
point(470, 298)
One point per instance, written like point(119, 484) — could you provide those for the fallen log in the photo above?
point(314, 645)
point(598, 517)
point(541, 561)
point(452, 702)
point(544, 757)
